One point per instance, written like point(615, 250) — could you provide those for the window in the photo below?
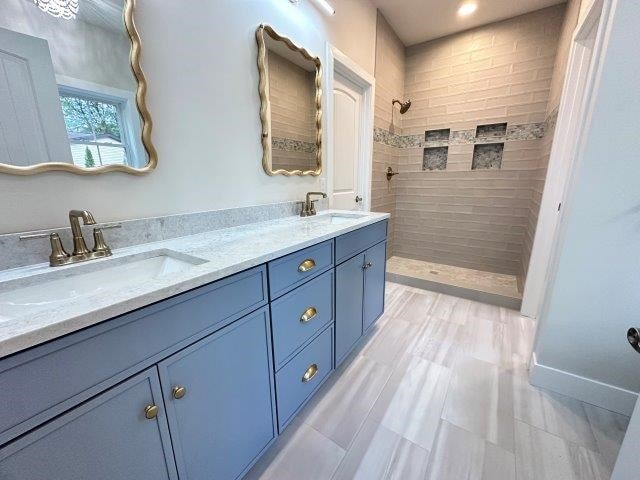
point(95, 129)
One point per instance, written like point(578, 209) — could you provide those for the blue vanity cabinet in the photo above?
point(107, 438)
point(219, 399)
point(223, 369)
point(45, 381)
point(375, 259)
point(360, 283)
point(349, 292)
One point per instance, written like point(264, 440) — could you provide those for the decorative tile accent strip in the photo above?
point(487, 156)
point(380, 135)
point(409, 141)
point(291, 145)
point(435, 158)
point(18, 253)
point(529, 131)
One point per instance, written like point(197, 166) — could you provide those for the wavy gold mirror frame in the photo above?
point(147, 124)
point(265, 107)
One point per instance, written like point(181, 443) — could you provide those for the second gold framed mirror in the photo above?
point(290, 106)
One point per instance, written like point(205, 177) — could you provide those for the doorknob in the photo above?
point(358, 198)
point(633, 336)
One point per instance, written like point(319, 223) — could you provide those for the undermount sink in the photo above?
point(339, 218)
point(56, 287)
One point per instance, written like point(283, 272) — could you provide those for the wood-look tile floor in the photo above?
point(439, 391)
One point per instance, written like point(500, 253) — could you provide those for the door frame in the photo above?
point(568, 143)
point(338, 62)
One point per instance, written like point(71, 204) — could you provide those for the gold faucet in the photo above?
point(309, 208)
point(80, 253)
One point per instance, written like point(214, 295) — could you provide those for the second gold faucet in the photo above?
point(309, 208)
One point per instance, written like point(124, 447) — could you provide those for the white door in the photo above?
point(566, 139)
point(32, 128)
point(348, 191)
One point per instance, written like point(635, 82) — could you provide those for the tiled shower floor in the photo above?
point(496, 288)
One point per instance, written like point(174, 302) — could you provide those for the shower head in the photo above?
point(404, 106)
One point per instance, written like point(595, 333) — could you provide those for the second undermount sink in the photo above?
point(56, 287)
point(339, 218)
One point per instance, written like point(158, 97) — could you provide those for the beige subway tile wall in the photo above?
point(389, 74)
point(292, 96)
point(499, 73)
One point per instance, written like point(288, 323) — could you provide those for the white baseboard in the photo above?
point(585, 389)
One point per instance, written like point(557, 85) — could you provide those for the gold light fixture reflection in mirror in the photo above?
point(66, 9)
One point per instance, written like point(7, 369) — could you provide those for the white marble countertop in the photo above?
point(226, 251)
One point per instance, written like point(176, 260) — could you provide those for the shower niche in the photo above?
point(488, 150)
point(435, 158)
point(436, 151)
point(491, 131)
point(441, 135)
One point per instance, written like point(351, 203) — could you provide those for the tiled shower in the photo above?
point(472, 150)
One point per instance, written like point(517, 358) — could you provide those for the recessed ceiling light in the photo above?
point(467, 9)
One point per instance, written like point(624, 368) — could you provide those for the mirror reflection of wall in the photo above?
point(291, 106)
point(292, 94)
point(68, 91)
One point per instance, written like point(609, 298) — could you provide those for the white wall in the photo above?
point(594, 296)
point(200, 62)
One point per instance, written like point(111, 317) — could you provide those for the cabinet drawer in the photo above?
point(47, 380)
point(300, 314)
point(296, 381)
point(292, 270)
point(351, 243)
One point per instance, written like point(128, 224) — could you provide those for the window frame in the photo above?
point(118, 104)
point(128, 115)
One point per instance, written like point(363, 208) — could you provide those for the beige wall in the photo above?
point(203, 95)
point(292, 96)
point(389, 74)
point(497, 73)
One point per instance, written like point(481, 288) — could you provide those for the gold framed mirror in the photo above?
point(290, 106)
point(74, 94)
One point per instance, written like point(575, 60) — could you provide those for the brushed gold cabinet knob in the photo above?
point(151, 411)
point(308, 264)
point(310, 373)
point(178, 392)
point(308, 315)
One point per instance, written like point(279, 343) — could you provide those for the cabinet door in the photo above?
point(223, 419)
point(349, 291)
point(374, 276)
point(107, 438)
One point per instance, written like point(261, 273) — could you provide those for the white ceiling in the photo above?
point(416, 21)
point(102, 13)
